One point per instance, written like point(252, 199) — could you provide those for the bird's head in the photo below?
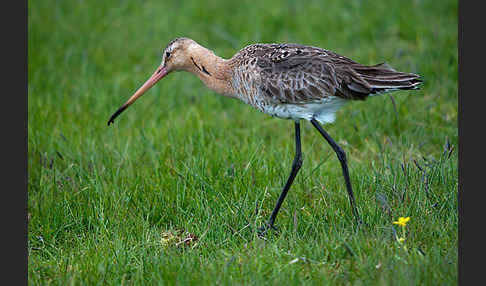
point(176, 57)
point(177, 54)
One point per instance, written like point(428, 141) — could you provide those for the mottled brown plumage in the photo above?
point(274, 76)
point(296, 73)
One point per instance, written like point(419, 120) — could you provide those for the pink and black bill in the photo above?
point(158, 75)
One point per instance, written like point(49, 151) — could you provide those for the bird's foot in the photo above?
point(262, 231)
point(361, 225)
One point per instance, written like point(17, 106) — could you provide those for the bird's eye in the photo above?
point(167, 55)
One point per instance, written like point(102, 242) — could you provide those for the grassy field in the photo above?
point(175, 190)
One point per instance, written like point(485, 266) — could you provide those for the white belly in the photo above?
point(323, 111)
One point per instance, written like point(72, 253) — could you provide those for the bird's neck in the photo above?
point(212, 70)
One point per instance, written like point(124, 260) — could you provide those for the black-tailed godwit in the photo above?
point(289, 81)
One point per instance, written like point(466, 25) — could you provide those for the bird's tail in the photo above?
point(383, 78)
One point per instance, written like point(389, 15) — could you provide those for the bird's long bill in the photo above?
point(158, 75)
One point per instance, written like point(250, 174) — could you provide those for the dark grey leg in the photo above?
point(342, 158)
point(295, 169)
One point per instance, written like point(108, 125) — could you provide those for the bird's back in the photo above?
point(298, 82)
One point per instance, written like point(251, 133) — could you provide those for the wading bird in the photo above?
point(289, 81)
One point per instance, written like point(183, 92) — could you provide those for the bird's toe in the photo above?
point(262, 231)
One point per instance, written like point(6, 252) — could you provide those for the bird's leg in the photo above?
point(295, 169)
point(342, 159)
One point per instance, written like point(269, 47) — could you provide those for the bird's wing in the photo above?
point(299, 74)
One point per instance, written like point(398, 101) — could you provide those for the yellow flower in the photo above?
point(401, 239)
point(402, 221)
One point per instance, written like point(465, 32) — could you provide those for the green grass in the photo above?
point(110, 205)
